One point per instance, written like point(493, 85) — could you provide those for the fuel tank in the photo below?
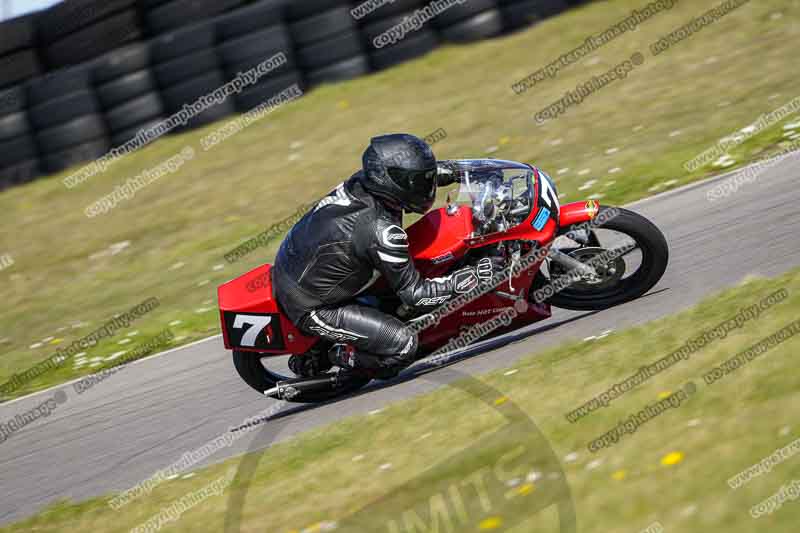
point(439, 238)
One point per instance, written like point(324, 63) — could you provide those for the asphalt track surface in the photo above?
point(147, 415)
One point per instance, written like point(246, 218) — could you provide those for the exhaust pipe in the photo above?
point(286, 390)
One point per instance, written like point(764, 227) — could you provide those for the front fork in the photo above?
point(570, 263)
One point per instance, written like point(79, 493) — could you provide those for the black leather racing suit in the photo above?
point(336, 251)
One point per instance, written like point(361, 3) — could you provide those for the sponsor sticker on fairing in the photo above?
point(592, 208)
point(541, 219)
point(443, 258)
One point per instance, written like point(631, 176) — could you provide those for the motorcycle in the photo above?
point(578, 256)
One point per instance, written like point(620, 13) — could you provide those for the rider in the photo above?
point(340, 247)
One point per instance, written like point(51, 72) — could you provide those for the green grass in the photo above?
point(178, 228)
point(433, 442)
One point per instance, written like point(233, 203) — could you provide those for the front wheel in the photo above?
point(259, 377)
point(639, 256)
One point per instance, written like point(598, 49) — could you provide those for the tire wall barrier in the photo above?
point(84, 76)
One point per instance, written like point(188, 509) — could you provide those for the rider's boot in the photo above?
point(310, 364)
point(359, 364)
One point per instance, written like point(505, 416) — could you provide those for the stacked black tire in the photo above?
point(162, 16)
point(106, 85)
point(519, 14)
point(251, 36)
point(187, 67)
point(128, 92)
point(470, 21)
point(19, 160)
point(327, 41)
point(19, 59)
point(414, 44)
point(67, 118)
point(74, 31)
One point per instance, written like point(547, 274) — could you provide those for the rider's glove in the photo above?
point(484, 269)
point(468, 278)
point(488, 267)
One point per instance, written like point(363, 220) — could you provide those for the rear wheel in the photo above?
point(253, 371)
point(640, 258)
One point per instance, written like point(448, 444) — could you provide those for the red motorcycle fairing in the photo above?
point(251, 319)
point(437, 240)
point(578, 212)
point(502, 299)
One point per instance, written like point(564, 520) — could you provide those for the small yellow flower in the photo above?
point(665, 394)
point(505, 140)
point(491, 523)
point(525, 489)
point(343, 104)
point(56, 341)
point(501, 400)
point(672, 458)
point(619, 475)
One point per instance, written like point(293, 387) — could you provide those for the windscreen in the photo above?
point(500, 196)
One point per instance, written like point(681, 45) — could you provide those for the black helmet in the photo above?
point(401, 168)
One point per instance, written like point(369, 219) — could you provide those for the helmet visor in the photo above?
point(419, 186)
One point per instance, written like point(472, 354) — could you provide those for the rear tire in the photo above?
point(252, 372)
point(655, 256)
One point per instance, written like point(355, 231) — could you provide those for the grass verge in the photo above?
point(372, 470)
point(71, 274)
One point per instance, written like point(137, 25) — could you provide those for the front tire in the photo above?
point(655, 256)
point(249, 367)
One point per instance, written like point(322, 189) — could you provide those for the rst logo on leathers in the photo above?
point(394, 237)
point(432, 301)
point(254, 330)
point(465, 281)
point(322, 332)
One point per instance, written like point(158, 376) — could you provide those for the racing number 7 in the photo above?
point(256, 323)
point(548, 192)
